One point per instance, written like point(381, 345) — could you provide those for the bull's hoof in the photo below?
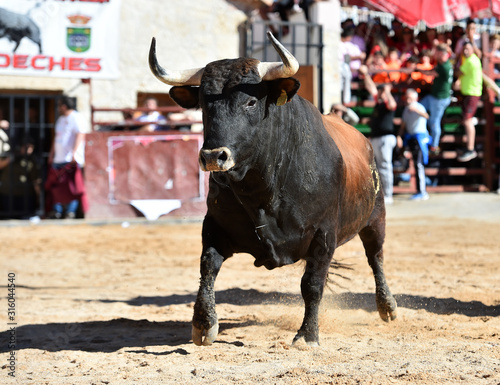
point(299, 337)
point(210, 335)
point(388, 316)
point(387, 309)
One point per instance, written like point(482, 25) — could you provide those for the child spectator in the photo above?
point(425, 65)
point(393, 63)
point(410, 74)
point(414, 130)
point(378, 64)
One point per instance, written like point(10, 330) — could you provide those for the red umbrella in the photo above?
point(435, 12)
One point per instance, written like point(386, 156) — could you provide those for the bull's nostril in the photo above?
point(223, 156)
point(217, 159)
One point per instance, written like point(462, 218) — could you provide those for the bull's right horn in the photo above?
point(190, 77)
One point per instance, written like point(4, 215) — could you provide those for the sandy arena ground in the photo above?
point(110, 304)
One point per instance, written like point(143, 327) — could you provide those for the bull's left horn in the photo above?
point(190, 77)
point(277, 70)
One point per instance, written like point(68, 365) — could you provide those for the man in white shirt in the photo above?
point(67, 148)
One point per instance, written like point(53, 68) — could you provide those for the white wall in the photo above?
point(190, 34)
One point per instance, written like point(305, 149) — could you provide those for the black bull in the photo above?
point(286, 184)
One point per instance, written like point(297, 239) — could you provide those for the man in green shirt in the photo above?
point(439, 98)
point(470, 81)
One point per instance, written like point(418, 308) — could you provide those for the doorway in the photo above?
point(31, 119)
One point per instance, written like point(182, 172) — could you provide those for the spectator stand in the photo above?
point(492, 116)
point(445, 173)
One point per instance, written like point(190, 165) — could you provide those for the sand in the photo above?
point(106, 303)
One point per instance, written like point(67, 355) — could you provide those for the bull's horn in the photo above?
point(190, 77)
point(276, 70)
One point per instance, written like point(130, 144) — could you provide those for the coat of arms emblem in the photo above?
point(78, 34)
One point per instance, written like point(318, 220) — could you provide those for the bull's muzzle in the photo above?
point(217, 159)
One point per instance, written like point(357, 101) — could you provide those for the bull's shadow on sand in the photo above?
point(364, 301)
point(112, 335)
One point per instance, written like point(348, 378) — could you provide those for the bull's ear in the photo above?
point(185, 96)
point(283, 90)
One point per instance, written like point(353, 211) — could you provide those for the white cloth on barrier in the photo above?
point(152, 209)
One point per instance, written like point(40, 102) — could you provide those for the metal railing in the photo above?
point(303, 40)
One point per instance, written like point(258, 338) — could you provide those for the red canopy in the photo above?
point(436, 12)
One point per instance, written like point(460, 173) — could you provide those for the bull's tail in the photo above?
point(334, 273)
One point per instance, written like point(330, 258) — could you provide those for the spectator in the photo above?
point(473, 38)
point(154, 118)
point(424, 66)
point(378, 44)
point(347, 114)
point(445, 38)
point(396, 35)
point(360, 36)
point(494, 51)
point(440, 94)
point(67, 153)
point(352, 54)
point(393, 63)
point(4, 138)
point(414, 130)
point(455, 35)
point(284, 8)
point(188, 120)
point(4, 162)
point(345, 59)
point(470, 83)
point(428, 40)
point(20, 188)
point(411, 75)
point(377, 66)
point(407, 47)
point(382, 131)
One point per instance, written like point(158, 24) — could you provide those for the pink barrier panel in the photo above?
point(153, 171)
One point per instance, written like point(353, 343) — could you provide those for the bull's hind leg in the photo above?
point(373, 237)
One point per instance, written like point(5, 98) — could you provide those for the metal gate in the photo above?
point(31, 121)
point(303, 40)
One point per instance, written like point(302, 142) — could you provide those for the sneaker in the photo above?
point(388, 200)
point(467, 156)
point(54, 215)
point(434, 151)
point(420, 197)
point(70, 215)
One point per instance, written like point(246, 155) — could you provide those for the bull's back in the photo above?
point(360, 175)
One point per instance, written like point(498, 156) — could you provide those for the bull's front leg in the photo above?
point(312, 285)
point(205, 322)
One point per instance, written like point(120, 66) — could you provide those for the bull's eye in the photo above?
point(251, 103)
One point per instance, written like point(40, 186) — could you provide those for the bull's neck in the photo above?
point(279, 146)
